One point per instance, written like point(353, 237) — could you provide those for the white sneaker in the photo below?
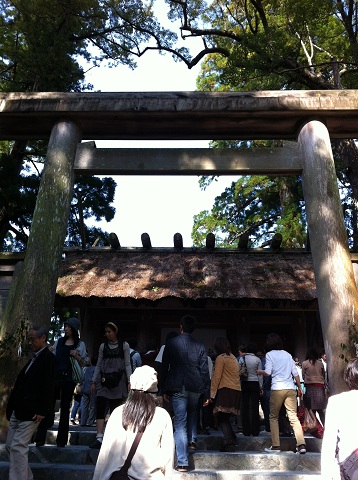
point(301, 449)
point(272, 450)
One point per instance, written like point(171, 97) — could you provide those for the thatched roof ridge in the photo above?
point(187, 275)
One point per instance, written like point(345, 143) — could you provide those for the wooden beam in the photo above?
point(146, 242)
point(210, 241)
point(178, 241)
point(276, 241)
point(197, 161)
point(243, 241)
point(113, 241)
point(179, 115)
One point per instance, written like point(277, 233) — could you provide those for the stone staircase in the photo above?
point(77, 462)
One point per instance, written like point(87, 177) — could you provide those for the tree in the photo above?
point(258, 206)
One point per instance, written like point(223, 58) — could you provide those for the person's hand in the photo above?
point(207, 402)
point(93, 388)
point(299, 392)
point(166, 397)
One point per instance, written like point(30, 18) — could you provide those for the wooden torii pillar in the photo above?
point(335, 282)
point(40, 268)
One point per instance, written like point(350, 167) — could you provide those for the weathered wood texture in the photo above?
point(336, 287)
point(32, 293)
point(179, 115)
point(196, 161)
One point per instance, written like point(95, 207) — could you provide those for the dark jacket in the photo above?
point(185, 363)
point(33, 392)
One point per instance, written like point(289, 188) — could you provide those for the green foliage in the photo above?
point(255, 205)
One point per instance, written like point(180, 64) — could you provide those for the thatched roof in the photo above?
point(153, 275)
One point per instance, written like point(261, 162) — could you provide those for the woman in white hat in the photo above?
point(153, 458)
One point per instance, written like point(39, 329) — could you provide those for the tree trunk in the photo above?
point(336, 287)
point(32, 293)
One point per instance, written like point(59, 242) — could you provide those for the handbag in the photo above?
point(77, 371)
point(243, 373)
point(310, 422)
point(121, 474)
point(111, 379)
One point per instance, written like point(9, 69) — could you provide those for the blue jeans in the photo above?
point(185, 422)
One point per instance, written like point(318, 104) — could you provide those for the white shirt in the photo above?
point(341, 421)
point(281, 367)
point(153, 459)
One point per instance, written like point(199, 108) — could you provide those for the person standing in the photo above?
point(65, 348)
point(153, 458)
point(111, 377)
point(29, 402)
point(251, 387)
point(88, 400)
point(281, 367)
point(340, 443)
point(136, 359)
point(225, 391)
point(185, 376)
point(314, 379)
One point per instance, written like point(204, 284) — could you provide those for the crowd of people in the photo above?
point(157, 401)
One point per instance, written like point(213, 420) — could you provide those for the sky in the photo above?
point(164, 205)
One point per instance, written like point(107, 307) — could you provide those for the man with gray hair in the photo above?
point(29, 402)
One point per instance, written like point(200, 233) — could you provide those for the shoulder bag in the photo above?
point(243, 373)
point(122, 473)
point(77, 371)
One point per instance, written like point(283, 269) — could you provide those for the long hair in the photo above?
point(221, 345)
point(75, 336)
point(312, 355)
point(138, 411)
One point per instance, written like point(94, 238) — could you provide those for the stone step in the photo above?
point(77, 462)
point(200, 460)
point(87, 435)
point(284, 461)
point(85, 472)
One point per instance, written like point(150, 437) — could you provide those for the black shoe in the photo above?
point(301, 449)
point(73, 422)
point(182, 468)
point(61, 445)
point(192, 446)
point(228, 448)
point(40, 444)
point(97, 444)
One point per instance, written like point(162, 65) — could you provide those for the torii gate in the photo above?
point(310, 117)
